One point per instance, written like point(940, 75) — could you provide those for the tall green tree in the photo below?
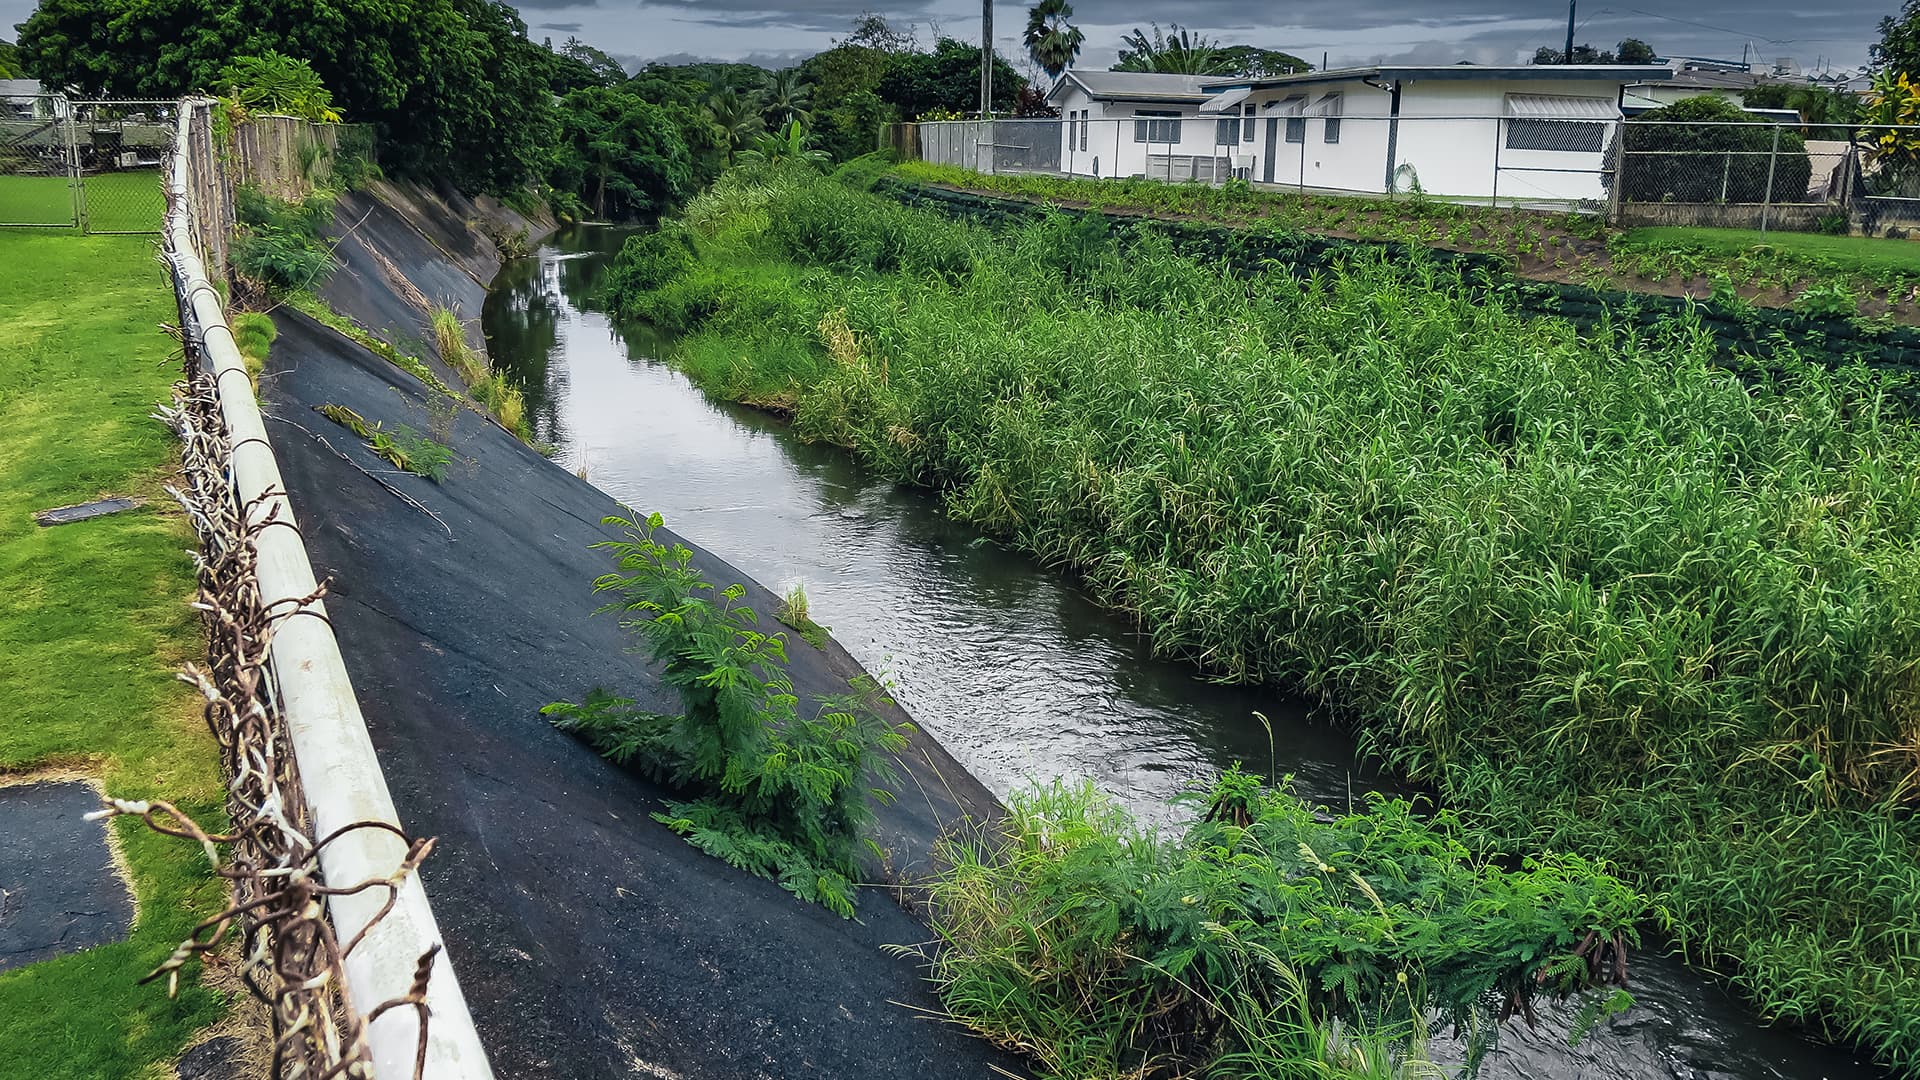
point(1898, 49)
point(452, 86)
point(947, 78)
point(1176, 51)
point(1052, 41)
point(787, 98)
point(1257, 63)
point(9, 60)
point(736, 115)
point(622, 156)
point(1634, 51)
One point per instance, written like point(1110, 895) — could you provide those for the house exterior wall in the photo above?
point(1358, 162)
point(1456, 157)
point(1111, 149)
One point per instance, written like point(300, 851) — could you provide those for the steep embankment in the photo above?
point(590, 939)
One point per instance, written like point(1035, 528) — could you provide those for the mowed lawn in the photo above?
point(130, 201)
point(94, 624)
point(1852, 252)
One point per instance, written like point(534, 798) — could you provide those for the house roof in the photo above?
point(1706, 80)
point(10, 88)
point(1614, 73)
point(1142, 85)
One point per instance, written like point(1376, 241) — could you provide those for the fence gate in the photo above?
point(121, 148)
point(39, 162)
point(94, 166)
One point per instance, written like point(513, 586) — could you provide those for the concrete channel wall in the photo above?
point(328, 734)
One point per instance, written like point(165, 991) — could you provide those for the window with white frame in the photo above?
point(1084, 125)
point(1246, 123)
point(1226, 130)
point(1155, 126)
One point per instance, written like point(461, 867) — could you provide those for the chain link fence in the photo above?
point(93, 166)
point(39, 167)
point(1753, 175)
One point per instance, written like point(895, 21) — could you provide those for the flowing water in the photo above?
point(1018, 674)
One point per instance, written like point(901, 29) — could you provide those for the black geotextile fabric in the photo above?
point(590, 940)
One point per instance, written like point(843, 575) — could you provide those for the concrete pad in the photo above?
point(60, 891)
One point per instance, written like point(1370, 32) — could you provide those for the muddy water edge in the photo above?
point(1021, 676)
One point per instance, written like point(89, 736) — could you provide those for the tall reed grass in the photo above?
point(1602, 594)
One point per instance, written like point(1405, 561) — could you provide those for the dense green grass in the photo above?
point(1601, 594)
point(130, 201)
point(94, 623)
point(1851, 251)
point(1561, 246)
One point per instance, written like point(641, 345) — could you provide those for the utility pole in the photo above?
point(1567, 57)
point(986, 59)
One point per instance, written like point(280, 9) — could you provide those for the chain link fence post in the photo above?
point(1766, 197)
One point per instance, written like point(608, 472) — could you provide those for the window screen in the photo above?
point(1569, 135)
point(1297, 129)
point(1246, 123)
point(1227, 131)
point(1150, 127)
point(1084, 125)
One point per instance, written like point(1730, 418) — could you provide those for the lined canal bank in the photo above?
point(1018, 674)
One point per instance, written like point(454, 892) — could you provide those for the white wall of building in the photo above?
point(1106, 144)
point(1456, 156)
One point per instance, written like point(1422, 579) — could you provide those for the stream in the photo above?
point(1018, 673)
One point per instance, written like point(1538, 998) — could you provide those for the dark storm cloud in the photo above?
point(561, 27)
point(1351, 31)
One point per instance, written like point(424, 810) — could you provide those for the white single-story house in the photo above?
point(1140, 123)
point(1461, 130)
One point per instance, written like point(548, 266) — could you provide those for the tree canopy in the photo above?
point(1184, 52)
point(1051, 40)
point(1629, 51)
point(449, 84)
point(1898, 49)
point(622, 155)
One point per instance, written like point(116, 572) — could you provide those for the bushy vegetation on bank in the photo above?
point(1271, 937)
point(1603, 595)
point(1270, 940)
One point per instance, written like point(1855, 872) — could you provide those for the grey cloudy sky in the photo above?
point(1355, 31)
point(1350, 31)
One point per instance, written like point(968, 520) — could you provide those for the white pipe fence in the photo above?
point(335, 756)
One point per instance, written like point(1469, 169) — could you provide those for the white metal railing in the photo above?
point(334, 755)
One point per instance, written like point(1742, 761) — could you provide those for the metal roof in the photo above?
point(19, 88)
point(1143, 85)
point(1615, 73)
point(1561, 107)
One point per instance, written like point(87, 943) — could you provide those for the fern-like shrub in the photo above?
point(278, 243)
point(773, 786)
point(1271, 939)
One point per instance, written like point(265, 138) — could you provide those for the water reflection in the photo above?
point(1015, 670)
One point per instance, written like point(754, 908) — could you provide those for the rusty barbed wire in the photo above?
point(290, 957)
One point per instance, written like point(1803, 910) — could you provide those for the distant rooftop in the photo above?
point(1142, 85)
point(1620, 73)
point(10, 88)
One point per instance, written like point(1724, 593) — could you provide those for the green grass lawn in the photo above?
point(1852, 252)
point(130, 201)
point(94, 623)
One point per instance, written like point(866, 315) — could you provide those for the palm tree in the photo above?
point(1176, 51)
point(737, 116)
point(787, 99)
point(1051, 40)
